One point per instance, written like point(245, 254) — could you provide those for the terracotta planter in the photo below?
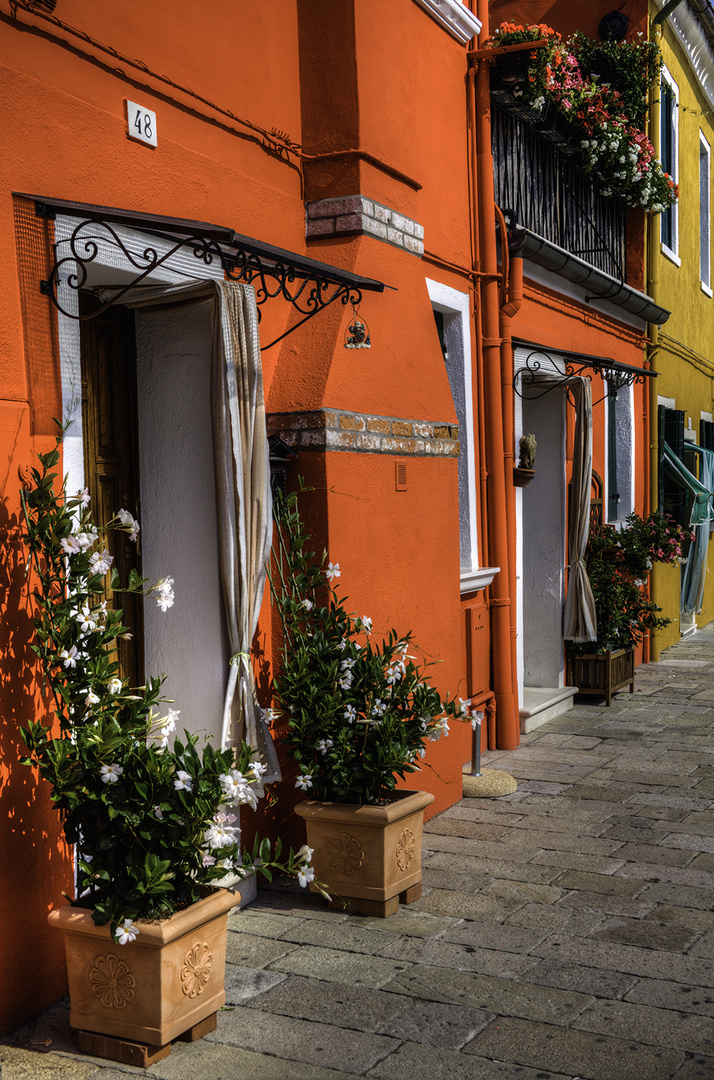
point(522, 477)
point(602, 674)
point(167, 981)
point(369, 856)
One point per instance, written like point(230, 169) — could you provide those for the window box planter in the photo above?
point(602, 674)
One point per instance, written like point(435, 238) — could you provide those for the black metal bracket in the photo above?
point(307, 285)
point(542, 381)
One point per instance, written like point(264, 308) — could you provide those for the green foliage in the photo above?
point(600, 91)
point(630, 68)
point(618, 562)
point(360, 713)
point(146, 818)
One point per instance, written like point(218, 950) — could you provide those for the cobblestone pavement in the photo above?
point(565, 931)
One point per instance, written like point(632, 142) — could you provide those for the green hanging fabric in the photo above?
point(681, 474)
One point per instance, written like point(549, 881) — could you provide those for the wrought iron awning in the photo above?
point(308, 285)
point(536, 380)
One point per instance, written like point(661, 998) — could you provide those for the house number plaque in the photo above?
point(141, 123)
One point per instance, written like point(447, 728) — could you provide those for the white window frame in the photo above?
point(705, 220)
point(672, 253)
point(623, 408)
point(455, 307)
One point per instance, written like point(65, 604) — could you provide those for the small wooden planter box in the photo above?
point(602, 674)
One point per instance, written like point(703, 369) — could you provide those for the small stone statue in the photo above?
point(527, 448)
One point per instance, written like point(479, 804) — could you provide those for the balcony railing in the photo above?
point(536, 178)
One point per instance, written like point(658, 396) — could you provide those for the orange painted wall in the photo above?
point(399, 95)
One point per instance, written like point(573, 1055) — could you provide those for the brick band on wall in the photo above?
point(357, 214)
point(335, 429)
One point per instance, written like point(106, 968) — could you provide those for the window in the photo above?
point(451, 315)
point(620, 453)
point(672, 495)
point(705, 215)
point(669, 155)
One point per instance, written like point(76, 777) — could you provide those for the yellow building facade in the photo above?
point(679, 270)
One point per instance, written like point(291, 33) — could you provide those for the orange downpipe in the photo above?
point(511, 298)
point(502, 589)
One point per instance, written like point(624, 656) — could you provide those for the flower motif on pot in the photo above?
point(345, 854)
point(111, 981)
point(406, 849)
point(196, 970)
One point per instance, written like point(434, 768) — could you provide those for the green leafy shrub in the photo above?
point(152, 822)
point(618, 563)
point(360, 713)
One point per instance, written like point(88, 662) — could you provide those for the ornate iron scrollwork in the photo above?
point(307, 289)
point(84, 247)
point(542, 381)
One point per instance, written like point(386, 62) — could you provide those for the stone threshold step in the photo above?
point(544, 703)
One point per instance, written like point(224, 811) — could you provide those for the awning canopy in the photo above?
point(531, 373)
point(308, 285)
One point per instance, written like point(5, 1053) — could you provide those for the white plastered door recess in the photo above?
point(541, 532)
point(179, 532)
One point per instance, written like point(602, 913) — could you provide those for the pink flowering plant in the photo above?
point(360, 713)
point(601, 91)
point(618, 564)
point(151, 816)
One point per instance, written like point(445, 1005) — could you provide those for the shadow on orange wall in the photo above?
point(35, 867)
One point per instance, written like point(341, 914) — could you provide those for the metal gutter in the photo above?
point(602, 286)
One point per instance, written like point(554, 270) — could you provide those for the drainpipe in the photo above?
point(510, 300)
point(499, 457)
point(653, 346)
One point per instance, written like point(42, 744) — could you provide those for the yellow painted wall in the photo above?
point(683, 354)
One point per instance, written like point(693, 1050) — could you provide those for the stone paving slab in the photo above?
point(679, 997)
point(565, 976)
point(565, 932)
point(648, 934)
point(459, 957)
point(505, 997)
point(477, 867)
point(19, 1064)
point(416, 1062)
point(359, 1008)
point(651, 963)
point(607, 904)
point(207, 1060)
point(294, 1039)
point(244, 983)
point(653, 1027)
point(543, 1047)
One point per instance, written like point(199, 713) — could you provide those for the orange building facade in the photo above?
point(352, 135)
point(337, 133)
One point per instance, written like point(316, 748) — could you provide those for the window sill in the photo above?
point(480, 578)
point(671, 255)
point(706, 290)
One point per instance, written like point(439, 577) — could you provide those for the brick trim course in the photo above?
point(357, 214)
point(336, 429)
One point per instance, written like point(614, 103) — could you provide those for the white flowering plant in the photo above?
point(151, 817)
point(360, 714)
point(600, 89)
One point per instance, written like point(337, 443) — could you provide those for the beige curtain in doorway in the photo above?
point(579, 619)
point(243, 495)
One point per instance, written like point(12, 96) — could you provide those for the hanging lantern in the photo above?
point(357, 333)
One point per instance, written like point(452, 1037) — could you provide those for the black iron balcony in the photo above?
point(536, 178)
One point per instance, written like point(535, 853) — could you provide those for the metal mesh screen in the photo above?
point(34, 238)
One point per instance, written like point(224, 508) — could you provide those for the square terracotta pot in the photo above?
point(155, 988)
point(367, 852)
